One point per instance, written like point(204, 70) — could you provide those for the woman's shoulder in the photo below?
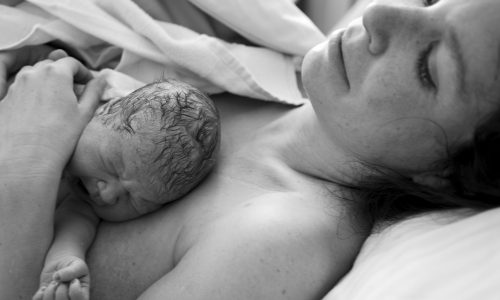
point(283, 213)
point(287, 233)
point(287, 208)
point(292, 223)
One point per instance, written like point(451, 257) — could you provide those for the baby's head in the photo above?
point(146, 149)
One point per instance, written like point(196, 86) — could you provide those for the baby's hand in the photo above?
point(65, 278)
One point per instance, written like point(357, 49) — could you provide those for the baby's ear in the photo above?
point(435, 179)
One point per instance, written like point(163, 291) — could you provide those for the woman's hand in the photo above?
point(41, 120)
point(11, 61)
point(41, 115)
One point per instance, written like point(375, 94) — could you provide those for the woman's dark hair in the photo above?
point(474, 181)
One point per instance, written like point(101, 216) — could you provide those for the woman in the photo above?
point(412, 77)
point(403, 89)
point(41, 123)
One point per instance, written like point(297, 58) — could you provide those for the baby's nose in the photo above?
point(108, 192)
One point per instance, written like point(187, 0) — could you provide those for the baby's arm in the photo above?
point(65, 270)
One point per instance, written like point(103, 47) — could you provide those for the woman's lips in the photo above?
point(337, 57)
point(342, 59)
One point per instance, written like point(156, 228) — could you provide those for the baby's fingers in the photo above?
point(77, 291)
point(70, 272)
point(39, 294)
point(49, 292)
point(62, 292)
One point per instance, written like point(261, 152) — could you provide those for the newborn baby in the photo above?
point(137, 153)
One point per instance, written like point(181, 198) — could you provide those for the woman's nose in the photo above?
point(383, 21)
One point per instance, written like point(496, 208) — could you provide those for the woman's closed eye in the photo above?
point(429, 2)
point(423, 73)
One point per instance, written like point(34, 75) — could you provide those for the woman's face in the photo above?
point(409, 80)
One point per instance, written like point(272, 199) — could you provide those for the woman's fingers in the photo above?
point(91, 96)
point(64, 68)
point(57, 54)
point(11, 61)
point(46, 111)
point(80, 73)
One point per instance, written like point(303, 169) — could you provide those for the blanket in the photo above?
point(148, 40)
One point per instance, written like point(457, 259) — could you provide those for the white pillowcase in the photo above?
point(446, 255)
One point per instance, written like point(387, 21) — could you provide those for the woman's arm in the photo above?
point(41, 122)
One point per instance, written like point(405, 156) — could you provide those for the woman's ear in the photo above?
point(436, 179)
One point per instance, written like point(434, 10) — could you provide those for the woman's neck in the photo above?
point(300, 142)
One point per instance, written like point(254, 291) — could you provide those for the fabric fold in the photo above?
point(152, 49)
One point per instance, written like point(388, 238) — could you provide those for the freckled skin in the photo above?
point(387, 97)
point(233, 206)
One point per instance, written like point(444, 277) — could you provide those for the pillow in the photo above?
point(444, 255)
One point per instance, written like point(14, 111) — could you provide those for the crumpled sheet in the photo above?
point(131, 47)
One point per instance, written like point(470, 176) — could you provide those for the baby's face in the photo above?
point(113, 178)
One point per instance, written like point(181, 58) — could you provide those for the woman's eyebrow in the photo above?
point(453, 43)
